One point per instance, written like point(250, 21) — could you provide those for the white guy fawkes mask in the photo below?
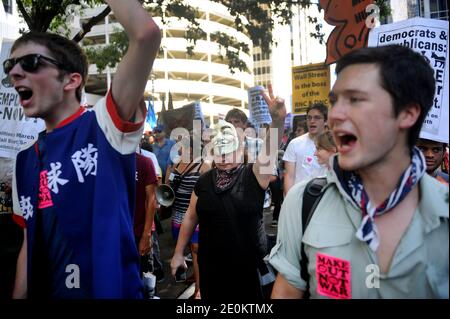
point(225, 140)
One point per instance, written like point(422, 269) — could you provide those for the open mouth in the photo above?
point(346, 141)
point(24, 93)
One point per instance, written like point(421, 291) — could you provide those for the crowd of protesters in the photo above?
point(86, 192)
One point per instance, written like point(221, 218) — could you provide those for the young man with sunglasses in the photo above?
point(380, 229)
point(73, 189)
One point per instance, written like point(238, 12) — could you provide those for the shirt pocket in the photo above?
point(322, 236)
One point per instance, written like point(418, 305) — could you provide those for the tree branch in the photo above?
point(24, 13)
point(88, 25)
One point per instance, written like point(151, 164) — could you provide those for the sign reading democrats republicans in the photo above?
point(310, 85)
point(429, 37)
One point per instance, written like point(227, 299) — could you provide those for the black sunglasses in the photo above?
point(29, 63)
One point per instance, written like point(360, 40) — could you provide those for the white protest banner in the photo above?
point(16, 129)
point(429, 37)
point(257, 106)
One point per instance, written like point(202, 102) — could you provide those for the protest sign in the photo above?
point(178, 118)
point(258, 108)
point(429, 37)
point(288, 121)
point(198, 113)
point(16, 129)
point(351, 20)
point(310, 85)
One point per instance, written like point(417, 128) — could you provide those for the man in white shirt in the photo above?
point(299, 160)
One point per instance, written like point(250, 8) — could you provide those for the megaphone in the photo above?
point(165, 195)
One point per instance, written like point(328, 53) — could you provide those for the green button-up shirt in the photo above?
point(342, 266)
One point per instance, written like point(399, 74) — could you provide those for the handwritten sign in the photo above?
point(310, 85)
point(429, 37)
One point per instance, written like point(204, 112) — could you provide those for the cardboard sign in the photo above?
point(181, 117)
point(351, 31)
point(258, 108)
point(310, 85)
point(429, 37)
point(16, 129)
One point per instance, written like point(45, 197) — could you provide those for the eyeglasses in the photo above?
point(315, 118)
point(29, 63)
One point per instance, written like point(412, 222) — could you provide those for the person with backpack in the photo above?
point(379, 228)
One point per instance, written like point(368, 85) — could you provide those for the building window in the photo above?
point(438, 9)
point(7, 4)
point(414, 8)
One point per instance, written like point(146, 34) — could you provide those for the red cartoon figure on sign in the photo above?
point(351, 32)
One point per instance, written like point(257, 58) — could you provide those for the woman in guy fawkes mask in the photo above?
point(227, 203)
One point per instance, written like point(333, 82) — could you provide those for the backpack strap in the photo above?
point(312, 194)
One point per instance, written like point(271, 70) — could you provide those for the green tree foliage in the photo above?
point(256, 18)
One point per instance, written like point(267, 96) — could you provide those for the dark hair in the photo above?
point(406, 75)
point(145, 144)
point(426, 140)
point(301, 124)
point(237, 114)
point(322, 108)
point(198, 147)
point(65, 51)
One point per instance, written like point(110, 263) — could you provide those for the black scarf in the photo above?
point(225, 178)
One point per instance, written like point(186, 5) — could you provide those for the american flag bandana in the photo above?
point(352, 184)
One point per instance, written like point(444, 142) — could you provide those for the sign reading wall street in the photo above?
point(310, 85)
point(16, 129)
point(429, 37)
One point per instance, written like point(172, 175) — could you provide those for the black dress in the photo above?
point(232, 238)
